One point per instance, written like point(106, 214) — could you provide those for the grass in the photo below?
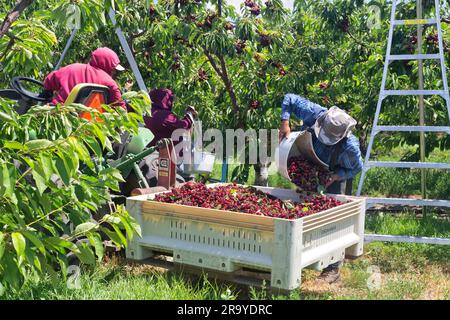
point(405, 182)
point(407, 271)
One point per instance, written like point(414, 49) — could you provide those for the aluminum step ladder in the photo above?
point(385, 93)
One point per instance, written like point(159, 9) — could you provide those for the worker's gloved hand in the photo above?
point(332, 179)
point(192, 112)
point(285, 130)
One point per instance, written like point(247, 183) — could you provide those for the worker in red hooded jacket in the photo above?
point(163, 121)
point(101, 69)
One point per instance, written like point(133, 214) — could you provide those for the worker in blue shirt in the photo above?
point(333, 143)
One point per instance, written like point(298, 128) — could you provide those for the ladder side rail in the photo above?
point(380, 98)
point(414, 128)
point(441, 53)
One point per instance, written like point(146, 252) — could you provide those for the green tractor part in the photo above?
point(135, 151)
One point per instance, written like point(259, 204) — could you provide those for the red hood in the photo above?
point(161, 99)
point(105, 59)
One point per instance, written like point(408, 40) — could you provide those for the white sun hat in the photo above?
point(333, 126)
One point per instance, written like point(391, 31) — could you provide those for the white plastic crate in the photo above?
point(228, 241)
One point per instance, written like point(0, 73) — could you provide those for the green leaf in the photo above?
point(7, 180)
point(111, 219)
point(99, 134)
point(14, 145)
point(114, 237)
point(19, 243)
point(45, 160)
point(37, 263)
point(120, 234)
point(5, 117)
point(96, 240)
point(114, 173)
point(86, 255)
point(35, 240)
point(93, 144)
point(59, 244)
point(128, 228)
point(11, 273)
point(71, 161)
point(62, 171)
point(38, 144)
point(4, 179)
point(40, 178)
point(85, 227)
point(2, 245)
point(136, 227)
point(82, 152)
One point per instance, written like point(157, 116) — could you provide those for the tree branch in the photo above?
point(213, 63)
point(223, 74)
point(13, 15)
point(8, 47)
point(228, 84)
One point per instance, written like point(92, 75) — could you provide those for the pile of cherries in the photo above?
point(233, 197)
point(305, 175)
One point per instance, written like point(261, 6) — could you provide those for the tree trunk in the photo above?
point(223, 74)
point(262, 174)
point(13, 15)
point(229, 85)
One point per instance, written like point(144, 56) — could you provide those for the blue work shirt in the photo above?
point(349, 161)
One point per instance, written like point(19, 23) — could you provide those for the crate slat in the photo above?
point(206, 214)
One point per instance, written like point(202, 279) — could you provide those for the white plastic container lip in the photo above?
point(297, 143)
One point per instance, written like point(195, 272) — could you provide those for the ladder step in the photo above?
point(414, 22)
point(412, 92)
point(407, 239)
point(413, 129)
point(412, 165)
point(411, 202)
point(394, 57)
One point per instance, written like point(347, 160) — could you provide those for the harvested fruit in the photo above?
point(307, 176)
point(232, 197)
